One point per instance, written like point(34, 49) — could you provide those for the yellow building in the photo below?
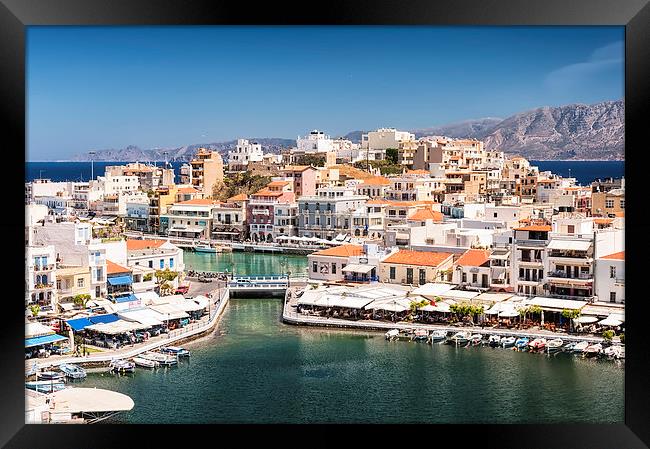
point(604, 204)
point(72, 281)
point(207, 170)
point(415, 267)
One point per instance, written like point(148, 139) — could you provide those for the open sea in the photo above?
point(584, 171)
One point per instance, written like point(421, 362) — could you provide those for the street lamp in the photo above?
point(92, 167)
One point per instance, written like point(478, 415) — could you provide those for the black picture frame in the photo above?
point(15, 15)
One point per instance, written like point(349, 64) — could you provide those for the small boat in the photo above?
point(580, 347)
point(522, 343)
point(122, 366)
point(554, 345)
point(421, 334)
point(593, 350)
point(175, 350)
point(476, 339)
point(460, 338)
point(506, 342)
point(146, 363)
point(494, 340)
point(537, 344)
point(50, 375)
point(205, 249)
point(163, 359)
point(73, 371)
point(392, 334)
point(437, 336)
point(613, 352)
point(45, 386)
point(569, 346)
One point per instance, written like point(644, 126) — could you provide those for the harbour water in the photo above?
point(255, 369)
point(584, 171)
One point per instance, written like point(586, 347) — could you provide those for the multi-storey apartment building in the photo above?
point(377, 142)
point(529, 262)
point(204, 171)
point(244, 152)
point(230, 219)
point(328, 213)
point(261, 209)
point(189, 219)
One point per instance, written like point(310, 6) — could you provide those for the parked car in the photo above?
point(182, 290)
point(204, 279)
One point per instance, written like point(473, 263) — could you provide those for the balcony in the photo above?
point(44, 286)
point(565, 275)
point(529, 261)
point(41, 268)
point(530, 280)
point(531, 243)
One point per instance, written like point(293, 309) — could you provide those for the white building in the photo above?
point(244, 153)
point(610, 278)
point(315, 142)
point(40, 280)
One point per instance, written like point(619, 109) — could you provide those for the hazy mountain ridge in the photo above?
point(576, 131)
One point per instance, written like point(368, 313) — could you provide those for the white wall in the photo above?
point(605, 283)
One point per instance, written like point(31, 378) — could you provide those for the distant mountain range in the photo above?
point(571, 132)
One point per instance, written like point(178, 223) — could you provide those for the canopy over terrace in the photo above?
point(169, 311)
point(390, 305)
point(37, 329)
point(144, 316)
point(573, 245)
point(459, 295)
point(358, 268)
point(433, 289)
point(554, 304)
point(116, 327)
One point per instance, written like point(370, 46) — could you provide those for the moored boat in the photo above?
point(593, 350)
point(175, 350)
point(537, 344)
point(506, 342)
point(522, 342)
point(73, 371)
point(146, 363)
point(421, 334)
point(476, 339)
point(613, 352)
point(494, 340)
point(460, 338)
point(580, 347)
point(392, 334)
point(554, 345)
point(569, 346)
point(205, 249)
point(45, 386)
point(50, 375)
point(438, 336)
point(163, 359)
point(122, 366)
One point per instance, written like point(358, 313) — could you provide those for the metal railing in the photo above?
point(565, 275)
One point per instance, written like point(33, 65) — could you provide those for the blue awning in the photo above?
point(120, 280)
point(79, 323)
point(45, 339)
point(105, 318)
point(129, 298)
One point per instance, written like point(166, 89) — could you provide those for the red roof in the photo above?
point(341, 251)
point(543, 228)
point(189, 189)
point(240, 197)
point(426, 214)
point(199, 202)
point(376, 181)
point(113, 268)
point(133, 244)
point(473, 258)
point(615, 256)
point(420, 258)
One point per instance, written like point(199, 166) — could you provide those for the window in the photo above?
point(409, 275)
point(423, 276)
point(58, 284)
point(622, 204)
point(100, 274)
point(80, 282)
point(333, 268)
point(612, 272)
point(464, 277)
point(474, 278)
point(171, 262)
point(495, 215)
point(314, 267)
point(612, 296)
point(391, 272)
point(151, 264)
point(609, 204)
point(571, 229)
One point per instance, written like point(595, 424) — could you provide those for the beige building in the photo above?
point(608, 203)
point(415, 267)
point(72, 281)
point(206, 171)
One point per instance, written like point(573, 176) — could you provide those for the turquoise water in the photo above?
point(246, 263)
point(254, 369)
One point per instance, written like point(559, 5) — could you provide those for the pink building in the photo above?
point(304, 179)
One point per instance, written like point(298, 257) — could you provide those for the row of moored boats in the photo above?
point(465, 338)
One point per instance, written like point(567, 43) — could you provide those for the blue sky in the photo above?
point(109, 87)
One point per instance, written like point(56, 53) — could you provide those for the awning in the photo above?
point(610, 321)
point(555, 304)
point(144, 316)
point(576, 245)
point(504, 256)
point(120, 280)
point(79, 323)
point(147, 297)
point(433, 289)
point(586, 319)
point(358, 268)
point(66, 306)
point(37, 329)
point(169, 311)
point(186, 229)
point(202, 301)
point(129, 298)
point(45, 339)
point(395, 305)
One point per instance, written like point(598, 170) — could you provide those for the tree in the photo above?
point(311, 159)
point(608, 335)
point(166, 289)
point(570, 314)
point(35, 309)
point(81, 300)
point(622, 338)
point(392, 155)
point(166, 275)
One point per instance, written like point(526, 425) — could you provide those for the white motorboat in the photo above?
point(494, 340)
point(392, 334)
point(593, 350)
point(460, 338)
point(421, 334)
point(163, 359)
point(50, 375)
point(613, 352)
point(45, 386)
point(554, 345)
point(205, 249)
point(175, 350)
point(437, 336)
point(146, 363)
point(476, 339)
point(73, 371)
point(506, 342)
point(122, 366)
point(580, 347)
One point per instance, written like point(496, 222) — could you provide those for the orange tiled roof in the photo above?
point(240, 197)
point(419, 258)
point(376, 181)
point(200, 202)
point(377, 201)
point(473, 258)
point(277, 183)
point(133, 244)
point(267, 192)
point(603, 220)
point(341, 251)
point(113, 268)
point(187, 190)
point(619, 214)
point(615, 256)
point(417, 172)
point(543, 228)
point(426, 214)
point(296, 167)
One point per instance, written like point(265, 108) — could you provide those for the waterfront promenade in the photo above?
point(290, 316)
point(204, 325)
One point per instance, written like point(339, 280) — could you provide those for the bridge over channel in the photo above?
point(271, 283)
